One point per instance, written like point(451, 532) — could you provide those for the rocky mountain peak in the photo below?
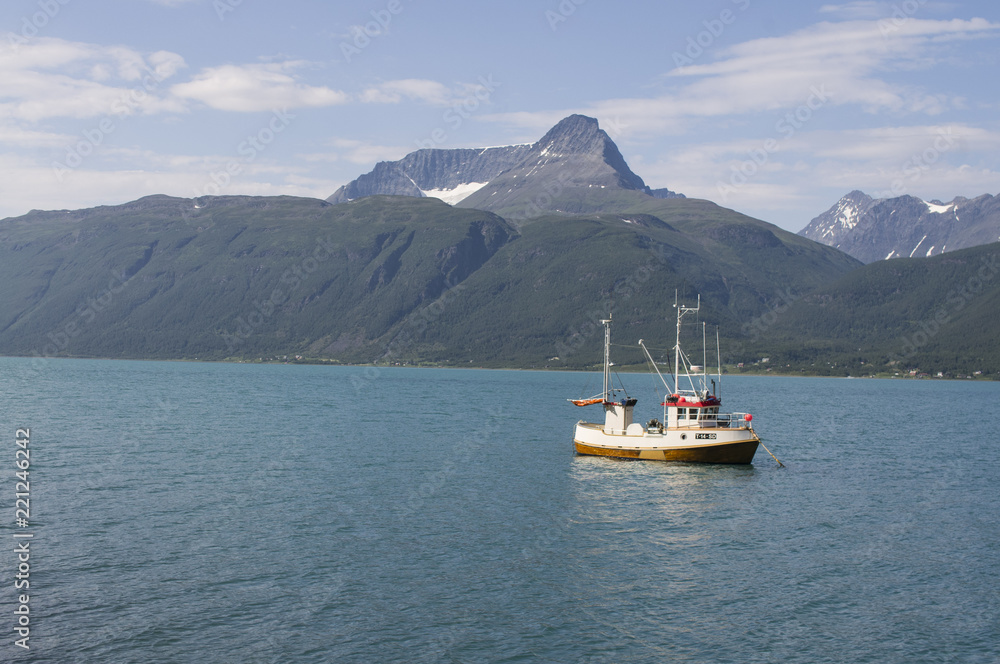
point(906, 226)
point(579, 135)
point(576, 152)
point(840, 219)
point(576, 133)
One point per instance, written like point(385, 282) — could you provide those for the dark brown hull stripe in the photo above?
point(739, 452)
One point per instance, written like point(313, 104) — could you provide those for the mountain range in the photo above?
point(905, 227)
point(543, 240)
point(514, 180)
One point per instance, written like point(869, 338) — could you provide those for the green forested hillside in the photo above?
point(542, 295)
point(233, 277)
point(394, 279)
point(402, 279)
point(929, 314)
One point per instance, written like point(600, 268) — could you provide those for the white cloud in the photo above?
point(256, 87)
point(810, 170)
point(393, 92)
point(860, 9)
point(422, 90)
point(50, 78)
point(12, 135)
point(886, 146)
point(940, 181)
point(132, 174)
point(867, 9)
point(852, 60)
point(53, 78)
point(357, 152)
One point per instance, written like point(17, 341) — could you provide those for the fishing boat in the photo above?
point(692, 428)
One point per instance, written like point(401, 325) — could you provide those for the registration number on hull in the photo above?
point(705, 436)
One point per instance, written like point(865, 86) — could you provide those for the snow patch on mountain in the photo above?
point(918, 246)
point(848, 217)
point(938, 209)
point(455, 194)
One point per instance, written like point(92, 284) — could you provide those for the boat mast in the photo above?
point(677, 347)
point(681, 310)
point(607, 357)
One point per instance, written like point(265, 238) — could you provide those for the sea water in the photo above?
point(197, 512)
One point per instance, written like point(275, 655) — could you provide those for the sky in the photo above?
point(772, 108)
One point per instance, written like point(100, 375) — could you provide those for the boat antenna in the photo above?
point(704, 357)
point(677, 348)
point(607, 356)
point(719, 355)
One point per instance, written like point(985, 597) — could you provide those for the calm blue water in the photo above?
point(188, 512)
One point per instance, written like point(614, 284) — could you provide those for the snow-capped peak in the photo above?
point(844, 219)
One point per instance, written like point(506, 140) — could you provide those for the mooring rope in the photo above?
point(780, 465)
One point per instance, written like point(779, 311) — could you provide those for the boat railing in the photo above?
point(732, 420)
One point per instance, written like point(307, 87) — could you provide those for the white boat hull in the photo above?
point(702, 445)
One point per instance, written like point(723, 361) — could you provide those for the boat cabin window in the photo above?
point(681, 413)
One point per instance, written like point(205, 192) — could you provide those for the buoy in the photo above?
point(748, 417)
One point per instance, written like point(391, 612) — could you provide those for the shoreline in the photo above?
point(728, 371)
